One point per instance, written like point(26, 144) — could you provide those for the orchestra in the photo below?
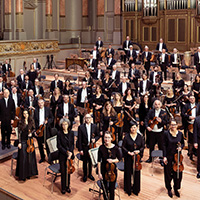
point(125, 113)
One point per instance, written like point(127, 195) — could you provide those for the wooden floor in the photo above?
point(152, 187)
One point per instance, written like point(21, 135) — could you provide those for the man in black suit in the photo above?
point(87, 133)
point(126, 45)
point(36, 64)
point(110, 62)
point(133, 76)
point(156, 79)
point(189, 118)
point(38, 89)
point(99, 43)
point(110, 50)
point(84, 95)
point(20, 78)
point(66, 110)
point(123, 86)
point(16, 97)
point(3, 85)
point(146, 57)
point(197, 142)
point(56, 83)
point(156, 133)
point(6, 68)
point(115, 75)
point(99, 75)
point(175, 61)
point(163, 61)
point(31, 102)
point(95, 54)
point(131, 55)
point(7, 116)
point(161, 45)
point(197, 60)
point(92, 66)
point(145, 85)
point(26, 85)
point(43, 116)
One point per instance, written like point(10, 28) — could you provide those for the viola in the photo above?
point(120, 118)
point(40, 131)
point(17, 117)
point(110, 168)
point(70, 166)
point(87, 107)
point(112, 130)
point(92, 144)
point(97, 116)
point(153, 122)
point(30, 144)
point(138, 165)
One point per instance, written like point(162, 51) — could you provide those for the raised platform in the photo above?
point(6, 153)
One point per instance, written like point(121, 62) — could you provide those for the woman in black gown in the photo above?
point(65, 144)
point(32, 74)
point(107, 88)
point(108, 154)
point(26, 162)
point(68, 88)
point(170, 147)
point(133, 144)
point(196, 87)
point(178, 85)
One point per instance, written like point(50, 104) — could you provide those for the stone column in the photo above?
point(8, 28)
point(20, 34)
point(62, 21)
point(48, 18)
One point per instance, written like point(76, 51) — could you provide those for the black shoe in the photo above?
point(162, 163)
point(198, 175)
point(41, 160)
point(177, 193)
point(91, 177)
point(149, 160)
point(135, 193)
point(170, 193)
point(68, 190)
point(63, 191)
point(8, 146)
point(3, 147)
point(84, 178)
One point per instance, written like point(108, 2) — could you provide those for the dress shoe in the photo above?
point(68, 190)
point(149, 160)
point(198, 175)
point(8, 146)
point(3, 147)
point(162, 163)
point(41, 160)
point(170, 193)
point(84, 178)
point(177, 193)
point(91, 177)
point(63, 191)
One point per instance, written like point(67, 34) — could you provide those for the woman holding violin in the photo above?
point(26, 161)
point(173, 143)
point(196, 88)
point(65, 144)
point(108, 156)
point(133, 147)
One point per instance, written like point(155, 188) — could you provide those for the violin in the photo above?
point(40, 131)
point(120, 118)
point(112, 130)
point(87, 106)
point(153, 122)
point(92, 145)
point(178, 165)
point(110, 168)
point(97, 116)
point(136, 158)
point(17, 117)
point(30, 144)
point(70, 167)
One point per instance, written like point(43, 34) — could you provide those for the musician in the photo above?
point(108, 153)
point(43, 116)
point(13, 84)
point(146, 57)
point(133, 144)
point(88, 79)
point(145, 85)
point(92, 65)
point(144, 108)
point(107, 86)
point(161, 45)
point(31, 101)
point(26, 84)
point(196, 88)
point(36, 64)
point(190, 111)
point(66, 110)
point(115, 74)
point(56, 83)
point(156, 80)
point(197, 60)
point(32, 74)
point(175, 59)
point(20, 78)
point(6, 68)
point(129, 106)
point(68, 90)
point(38, 89)
point(131, 55)
point(26, 162)
point(110, 50)
point(163, 61)
point(7, 116)
point(98, 101)
point(178, 84)
point(99, 75)
point(56, 99)
point(170, 147)
point(84, 96)
point(110, 62)
point(156, 133)
point(99, 43)
point(3, 85)
point(16, 97)
point(133, 76)
point(123, 86)
point(65, 144)
point(87, 133)
point(95, 53)
point(196, 139)
point(126, 45)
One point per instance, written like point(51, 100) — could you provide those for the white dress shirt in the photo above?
point(175, 57)
point(155, 128)
point(94, 54)
point(88, 128)
point(6, 67)
point(146, 54)
point(144, 86)
point(154, 76)
point(127, 41)
point(37, 90)
point(163, 57)
point(35, 66)
point(56, 83)
point(22, 77)
point(26, 85)
point(14, 96)
point(193, 113)
point(160, 46)
point(6, 100)
point(1, 86)
point(109, 61)
point(99, 74)
point(83, 95)
point(131, 51)
point(99, 43)
point(66, 109)
point(41, 116)
point(30, 100)
point(124, 87)
point(113, 74)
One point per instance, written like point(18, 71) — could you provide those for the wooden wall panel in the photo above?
point(171, 30)
point(181, 30)
point(154, 34)
point(146, 34)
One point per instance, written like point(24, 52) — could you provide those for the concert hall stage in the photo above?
point(6, 153)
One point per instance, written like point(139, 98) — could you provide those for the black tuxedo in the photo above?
point(164, 64)
point(112, 51)
point(117, 77)
point(23, 85)
point(98, 55)
point(135, 79)
point(47, 114)
point(94, 63)
point(41, 90)
point(6, 115)
point(83, 144)
point(152, 75)
point(19, 80)
point(173, 60)
point(4, 68)
point(19, 101)
point(164, 46)
point(147, 64)
point(125, 46)
point(188, 107)
point(34, 103)
point(4, 85)
point(120, 87)
point(148, 86)
point(111, 63)
point(37, 65)
point(101, 76)
point(197, 62)
point(97, 44)
point(131, 54)
point(59, 85)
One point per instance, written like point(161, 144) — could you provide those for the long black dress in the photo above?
point(169, 150)
point(196, 86)
point(103, 155)
point(26, 162)
point(55, 103)
point(128, 145)
point(32, 76)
